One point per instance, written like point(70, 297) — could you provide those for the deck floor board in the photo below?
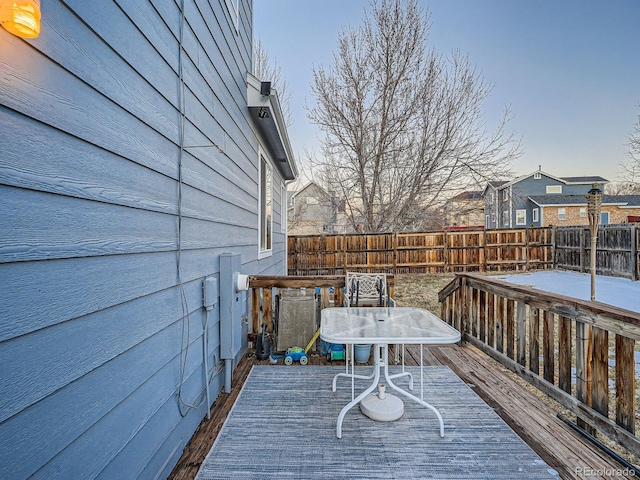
point(527, 414)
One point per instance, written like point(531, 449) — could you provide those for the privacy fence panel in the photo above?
point(468, 251)
point(616, 249)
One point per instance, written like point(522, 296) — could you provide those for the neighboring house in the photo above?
point(465, 210)
point(134, 166)
point(313, 211)
point(508, 204)
point(562, 210)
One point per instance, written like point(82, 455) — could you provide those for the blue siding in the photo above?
point(94, 321)
point(518, 198)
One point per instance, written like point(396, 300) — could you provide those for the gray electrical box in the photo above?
point(296, 322)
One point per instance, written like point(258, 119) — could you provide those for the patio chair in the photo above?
point(367, 290)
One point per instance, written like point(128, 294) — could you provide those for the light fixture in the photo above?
point(263, 112)
point(21, 17)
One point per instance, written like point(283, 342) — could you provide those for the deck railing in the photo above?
point(580, 353)
point(264, 288)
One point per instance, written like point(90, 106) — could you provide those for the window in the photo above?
point(536, 217)
point(604, 218)
point(283, 208)
point(234, 11)
point(505, 218)
point(554, 188)
point(583, 212)
point(562, 214)
point(265, 205)
point(505, 195)
point(521, 217)
point(487, 224)
point(537, 176)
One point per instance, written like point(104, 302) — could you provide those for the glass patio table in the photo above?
point(382, 326)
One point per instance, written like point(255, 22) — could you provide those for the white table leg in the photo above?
point(376, 376)
point(407, 394)
point(351, 375)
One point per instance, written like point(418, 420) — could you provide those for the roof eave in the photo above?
point(266, 113)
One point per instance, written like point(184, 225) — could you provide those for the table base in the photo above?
point(381, 362)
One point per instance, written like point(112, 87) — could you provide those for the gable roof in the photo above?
point(567, 200)
point(498, 185)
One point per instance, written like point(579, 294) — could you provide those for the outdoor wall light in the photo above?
point(21, 17)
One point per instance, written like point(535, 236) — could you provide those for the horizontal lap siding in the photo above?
point(92, 315)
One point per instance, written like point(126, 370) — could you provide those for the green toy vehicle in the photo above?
point(295, 354)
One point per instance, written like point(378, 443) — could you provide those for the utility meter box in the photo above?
point(295, 322)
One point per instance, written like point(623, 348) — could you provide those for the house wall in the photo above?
point(465, 212)
point(616, 215)
point(491, 207)
point(517, 199)
point(95, 321)
point(312, 212)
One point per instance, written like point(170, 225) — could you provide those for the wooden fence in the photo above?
point(545, 337)
point(618, 251)
point(426, 252)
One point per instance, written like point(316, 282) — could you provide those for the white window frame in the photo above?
point(505, 195)
point(537, 176)
point(283, 208)
point(522, 212)
point(583, 212)
point(562, 214)
point(506, 221)
point(234, 10)
point(265, 205)
point(535, 215)
point(554, 189)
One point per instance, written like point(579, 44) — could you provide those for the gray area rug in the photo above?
point(283, 426)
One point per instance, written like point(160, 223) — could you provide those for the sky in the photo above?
point(569, 70)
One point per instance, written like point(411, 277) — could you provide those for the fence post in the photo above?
point(446, 251)
point(521, 333)
point(394, 239)
point(634, 253)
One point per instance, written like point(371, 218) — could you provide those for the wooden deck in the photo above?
point(527, 414)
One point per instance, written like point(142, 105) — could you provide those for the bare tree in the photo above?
point(403, 125)
point(634, 144)
point(270, 71)
point(629, 179)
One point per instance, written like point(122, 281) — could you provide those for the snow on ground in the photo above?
point(620, 292)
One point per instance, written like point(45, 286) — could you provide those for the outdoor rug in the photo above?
point(283, 426)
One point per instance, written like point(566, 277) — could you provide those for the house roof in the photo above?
point(592, 179)
point(266, 114)
point(565, 180)
point(623, 201)
point(468, 195)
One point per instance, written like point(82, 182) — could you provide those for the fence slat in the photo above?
point(564, 354)
point(600, 386)
point(534, 340)
point(625, 383)
point(547, 346)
